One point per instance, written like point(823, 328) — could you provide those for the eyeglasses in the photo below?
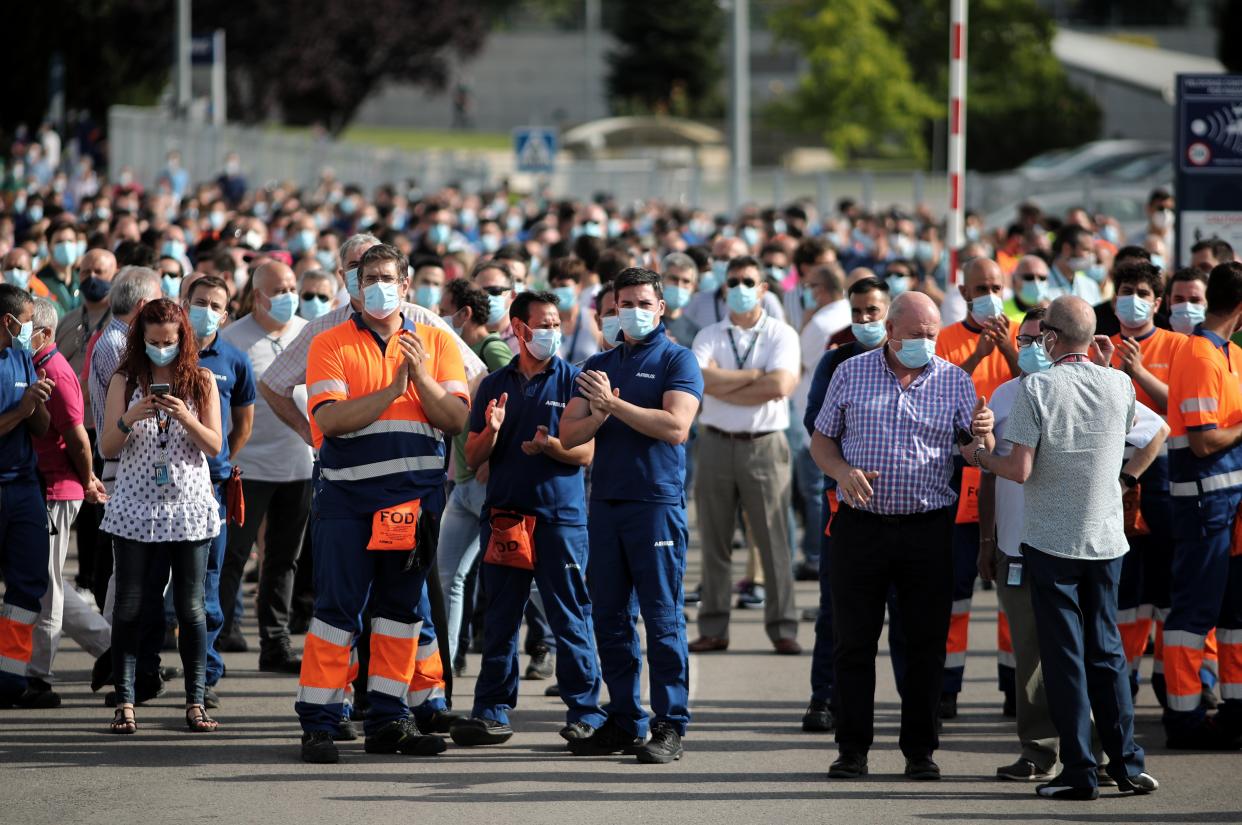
point(369, 280)
point(1025, 341)
point(749, 283)
point(315, 296)
point(496, 290)
point(1031, 276)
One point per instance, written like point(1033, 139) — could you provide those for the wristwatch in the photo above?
point(122, 426)
point(1128, 480)
point(979, 451)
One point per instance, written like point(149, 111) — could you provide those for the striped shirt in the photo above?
point(105, 358)
point(289, 369)
point(906, 435)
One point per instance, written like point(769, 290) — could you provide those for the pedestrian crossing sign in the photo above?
point(534, 149)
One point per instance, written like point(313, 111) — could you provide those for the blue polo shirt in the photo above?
point(17, 454)
point(535, 485)
point(235, 383)
point(630, 466)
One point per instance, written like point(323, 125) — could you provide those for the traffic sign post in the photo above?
point(534, 149)
point(1208, 161)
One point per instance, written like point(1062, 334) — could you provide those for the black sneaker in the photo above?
point(751, 597)
point(848, 766)
point(1024, 770)
point(280, 658)
point(922, 768)
point(211, 699)
point(318, 748)
point(607, 739)
point(402, 736)
point(232, 642)
point(948, 706)
point(806, 572)
point(1139, 783)
point(344, 731)
point(1072, 793)
point(38, 695)
point(663, 747)
point(441, 721)
point(576, 732)
point(818, 718)
point(540, 666)
point(101, 672)
point(692, 597)
point(1010, 707)
point(553, 689)
point(474, 731)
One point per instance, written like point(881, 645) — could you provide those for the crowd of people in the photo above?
point(441, 415)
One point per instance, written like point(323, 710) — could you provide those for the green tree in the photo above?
point(668, 57)
point(1020, 102)
point(857, 90)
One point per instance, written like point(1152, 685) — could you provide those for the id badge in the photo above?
point(1014, 579)
point(162, 476)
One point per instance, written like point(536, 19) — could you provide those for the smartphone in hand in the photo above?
point(160, 389)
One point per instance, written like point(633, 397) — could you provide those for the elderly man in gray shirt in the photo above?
point(1068, 430)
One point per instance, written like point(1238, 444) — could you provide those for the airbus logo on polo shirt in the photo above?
point(21, 385)
point(665, 543)
point(551, 403)
point(643, 375)
point(221, 378)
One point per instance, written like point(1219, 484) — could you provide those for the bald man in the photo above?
point(276, 474)
point(887, 434)
point(74, 332)
point(1068, 430)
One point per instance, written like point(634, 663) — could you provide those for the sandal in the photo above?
point(197, 720)
point(123, 721)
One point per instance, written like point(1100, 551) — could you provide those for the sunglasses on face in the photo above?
point(495, 290)
point(749, 283)
point(315, 296)
point(1030, 276)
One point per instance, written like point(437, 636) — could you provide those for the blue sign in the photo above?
point(1208, 159)
point(534, 149)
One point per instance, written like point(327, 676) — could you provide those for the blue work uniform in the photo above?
point(638, 533)
point(554, 493)
point(24, 544)
point(235, 385)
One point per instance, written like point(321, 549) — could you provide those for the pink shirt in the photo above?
point(65, 408)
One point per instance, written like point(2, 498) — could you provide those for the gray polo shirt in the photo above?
point(1076, 416)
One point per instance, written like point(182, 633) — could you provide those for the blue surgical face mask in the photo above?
point(897, 284)
point(1033, 358)
point(496, 308)
point(439, 234)
point(914, 353)
point(204, 320)
point(637, 323)
point(162, 356)
point(35, 213)
point(380, 299)
point(1109, 233)
point(566, 296)
point(21, 340)
point(611, 327)
point(490, 242)
point(283, 307)
point(777, 273)
point(742, 298)
point(1034, 292)
point(216, 219)
point(543, 343)
point(751, 236)
point(1157, 261)
point(676, 297)
point(1133, 311)
point(327, 260)
point(65, 253)
point(19, 278)
point(868, 334)
point(173, 248)
point(711, 281)
point(985, 307)
point(302, 241)
point(427, 295)
point(314, 308)
point(808, 298)
point(1097, 273)
point(170, 285)
point(924, 251)
point(351, 282)
point(1186, 316)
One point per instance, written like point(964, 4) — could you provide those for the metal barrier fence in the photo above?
point(139, 138)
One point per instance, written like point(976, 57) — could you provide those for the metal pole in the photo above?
point(957, 134)
point(590, 74)
point(739, 104)
point(181, 48)
point(219, 100)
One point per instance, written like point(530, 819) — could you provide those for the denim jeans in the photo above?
point(141, 572)
point(459, 547)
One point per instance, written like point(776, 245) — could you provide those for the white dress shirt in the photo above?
point(827, 321)
point(769, 345)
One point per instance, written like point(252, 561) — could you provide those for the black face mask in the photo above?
point(95, 289)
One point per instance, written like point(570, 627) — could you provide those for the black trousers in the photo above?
point(287, 507)
point(914, 556)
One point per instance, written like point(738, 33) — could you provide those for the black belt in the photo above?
point(900, 518)
point(736, 436)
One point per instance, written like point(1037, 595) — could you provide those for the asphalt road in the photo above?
point(746, 759)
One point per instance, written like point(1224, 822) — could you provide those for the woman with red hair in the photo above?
point(162, 421)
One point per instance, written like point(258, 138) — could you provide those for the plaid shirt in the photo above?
point(289, 368)
point(908, 436)
point(105, 358)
